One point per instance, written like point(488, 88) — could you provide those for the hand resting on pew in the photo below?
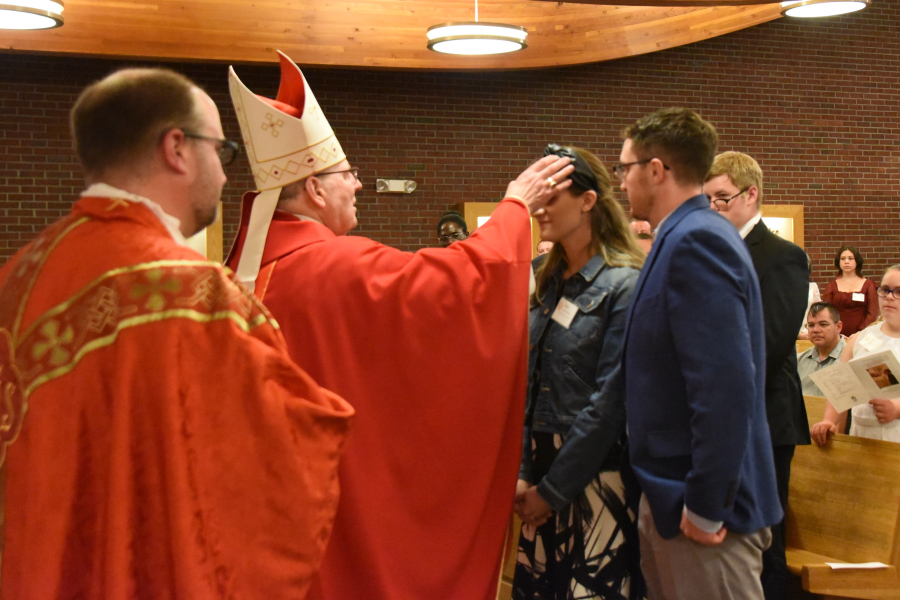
point(821, 430)
point(885, 409)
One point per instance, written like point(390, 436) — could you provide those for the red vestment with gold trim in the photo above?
point(157, 441)
point(431, 350)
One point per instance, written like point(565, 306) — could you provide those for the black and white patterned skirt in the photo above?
point(587, 550)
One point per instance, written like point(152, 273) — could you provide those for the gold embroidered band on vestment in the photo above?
point(122, 298)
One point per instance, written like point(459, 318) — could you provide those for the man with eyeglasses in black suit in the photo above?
point(734, 188)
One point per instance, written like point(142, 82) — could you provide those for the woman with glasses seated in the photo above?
point(579, 538)
point(851, 293)
point(880, 418)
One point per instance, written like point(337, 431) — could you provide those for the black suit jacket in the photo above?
point(784, 285)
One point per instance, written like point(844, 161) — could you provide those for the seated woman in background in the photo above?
point(879, 418)
point(852, 294)
point(579, 535)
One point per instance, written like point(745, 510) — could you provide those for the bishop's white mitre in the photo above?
point(286, 140)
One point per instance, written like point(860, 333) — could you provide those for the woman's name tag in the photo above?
point(564, 313)
point(859, 297)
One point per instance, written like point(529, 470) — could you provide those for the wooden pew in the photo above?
point(508, 568)
point(815, 408)
point(844, 506)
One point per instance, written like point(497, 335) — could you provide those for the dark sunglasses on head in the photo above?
point(583, 176)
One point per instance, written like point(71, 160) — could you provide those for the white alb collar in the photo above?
point(172, 224)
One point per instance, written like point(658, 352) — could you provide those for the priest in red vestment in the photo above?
point(156, 440)
point(429, 348)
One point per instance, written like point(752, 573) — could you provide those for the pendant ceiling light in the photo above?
point(472, 38)
point(30, 14)
point(821, 8)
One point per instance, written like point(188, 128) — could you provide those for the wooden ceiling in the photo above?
point(380, 34)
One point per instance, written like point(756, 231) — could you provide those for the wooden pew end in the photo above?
point(869, 584)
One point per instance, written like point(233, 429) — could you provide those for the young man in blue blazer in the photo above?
point(695, 369)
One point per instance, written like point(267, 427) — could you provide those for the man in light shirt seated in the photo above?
point(824, 325)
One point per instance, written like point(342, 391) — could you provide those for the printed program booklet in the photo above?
point(847, 384)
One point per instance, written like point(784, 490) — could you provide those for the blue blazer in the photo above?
point(695, 368)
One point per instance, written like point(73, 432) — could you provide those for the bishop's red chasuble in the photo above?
point(156, 440)
point(430, 349)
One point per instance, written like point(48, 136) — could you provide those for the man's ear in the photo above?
point(657, 170)
point(172, 149)
point(753, 195)
point(839, 326)
point(315, 191)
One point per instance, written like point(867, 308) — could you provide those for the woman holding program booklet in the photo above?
point(880, 418)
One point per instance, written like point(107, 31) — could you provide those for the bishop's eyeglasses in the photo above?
point(353, 170)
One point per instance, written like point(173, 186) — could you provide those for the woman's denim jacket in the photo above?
point(581, 393)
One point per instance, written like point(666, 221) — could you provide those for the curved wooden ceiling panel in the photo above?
point(380, 34)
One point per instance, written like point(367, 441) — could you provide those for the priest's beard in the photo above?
point(206, 192)
point(204, 217)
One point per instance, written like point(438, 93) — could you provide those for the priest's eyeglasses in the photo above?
point(722, 203)
point(226, 149)
point(884, 291)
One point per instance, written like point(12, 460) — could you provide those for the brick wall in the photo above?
point(816, 102)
